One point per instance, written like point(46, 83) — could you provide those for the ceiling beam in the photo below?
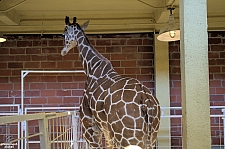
point(10, 17)
point(92, 28)
point(162, 14)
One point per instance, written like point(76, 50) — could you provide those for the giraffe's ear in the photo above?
point(74, 20)
point(67, 20)
point(85, 25)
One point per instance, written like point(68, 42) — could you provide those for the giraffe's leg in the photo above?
point(153, 125)
point(109, 145)
point(93, 136)
point(152, 137)
point(91, 131)
point(108, 140)
point(153, 116)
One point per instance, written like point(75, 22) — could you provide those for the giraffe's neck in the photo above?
point(94, 64)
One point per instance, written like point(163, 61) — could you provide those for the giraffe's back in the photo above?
point(126, 109)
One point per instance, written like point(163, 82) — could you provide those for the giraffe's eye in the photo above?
point(66, 28)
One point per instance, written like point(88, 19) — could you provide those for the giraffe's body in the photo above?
point(122, 109)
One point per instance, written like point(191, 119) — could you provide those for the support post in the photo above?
point(223, 110)
point(44, 137)
point(194, 75)
point(74, 126)
point(162, 88)
point(26, 135)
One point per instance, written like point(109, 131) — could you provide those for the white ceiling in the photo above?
point(106, 16)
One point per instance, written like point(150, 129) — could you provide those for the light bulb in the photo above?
point(172, 34)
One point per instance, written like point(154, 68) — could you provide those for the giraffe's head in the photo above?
point(70, 34)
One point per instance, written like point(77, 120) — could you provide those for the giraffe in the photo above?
point(121, 108)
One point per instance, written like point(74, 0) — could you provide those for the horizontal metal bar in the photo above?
point(8, 114)
point(211, 107)
point(180, 116)
point(33, 142)
point(54, 71)
point(10, 105)
point(50, 108)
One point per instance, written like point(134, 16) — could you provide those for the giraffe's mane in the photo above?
point(78, 26)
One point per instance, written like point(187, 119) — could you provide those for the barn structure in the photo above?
point(186, 75)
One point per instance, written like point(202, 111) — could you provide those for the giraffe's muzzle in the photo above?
point(63, 52)
point(67, 48)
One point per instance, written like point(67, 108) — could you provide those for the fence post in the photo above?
point(74, 126)
point(44, 137)
point(26, 135)
point(223, 110)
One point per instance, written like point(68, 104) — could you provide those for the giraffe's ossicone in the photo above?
point(122, 109)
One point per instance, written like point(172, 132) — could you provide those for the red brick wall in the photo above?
point(131, 55)
point(216, 55)
point(216, 48)
point(217, 68)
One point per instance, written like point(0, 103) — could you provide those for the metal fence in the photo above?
point(60, 127)
point(174, 139)
point(9, 131)
point(55, 126)
point(54, 131)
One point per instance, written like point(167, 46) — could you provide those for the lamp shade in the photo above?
point(171, 32)
point(2, 39)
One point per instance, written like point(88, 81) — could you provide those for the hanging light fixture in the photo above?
point(2, 39)
point(171, 32)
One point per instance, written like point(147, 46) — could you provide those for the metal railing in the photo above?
point(81, 143)
point(12, 130)
point(55, 130)
point(51, 130)
point(174, 139)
